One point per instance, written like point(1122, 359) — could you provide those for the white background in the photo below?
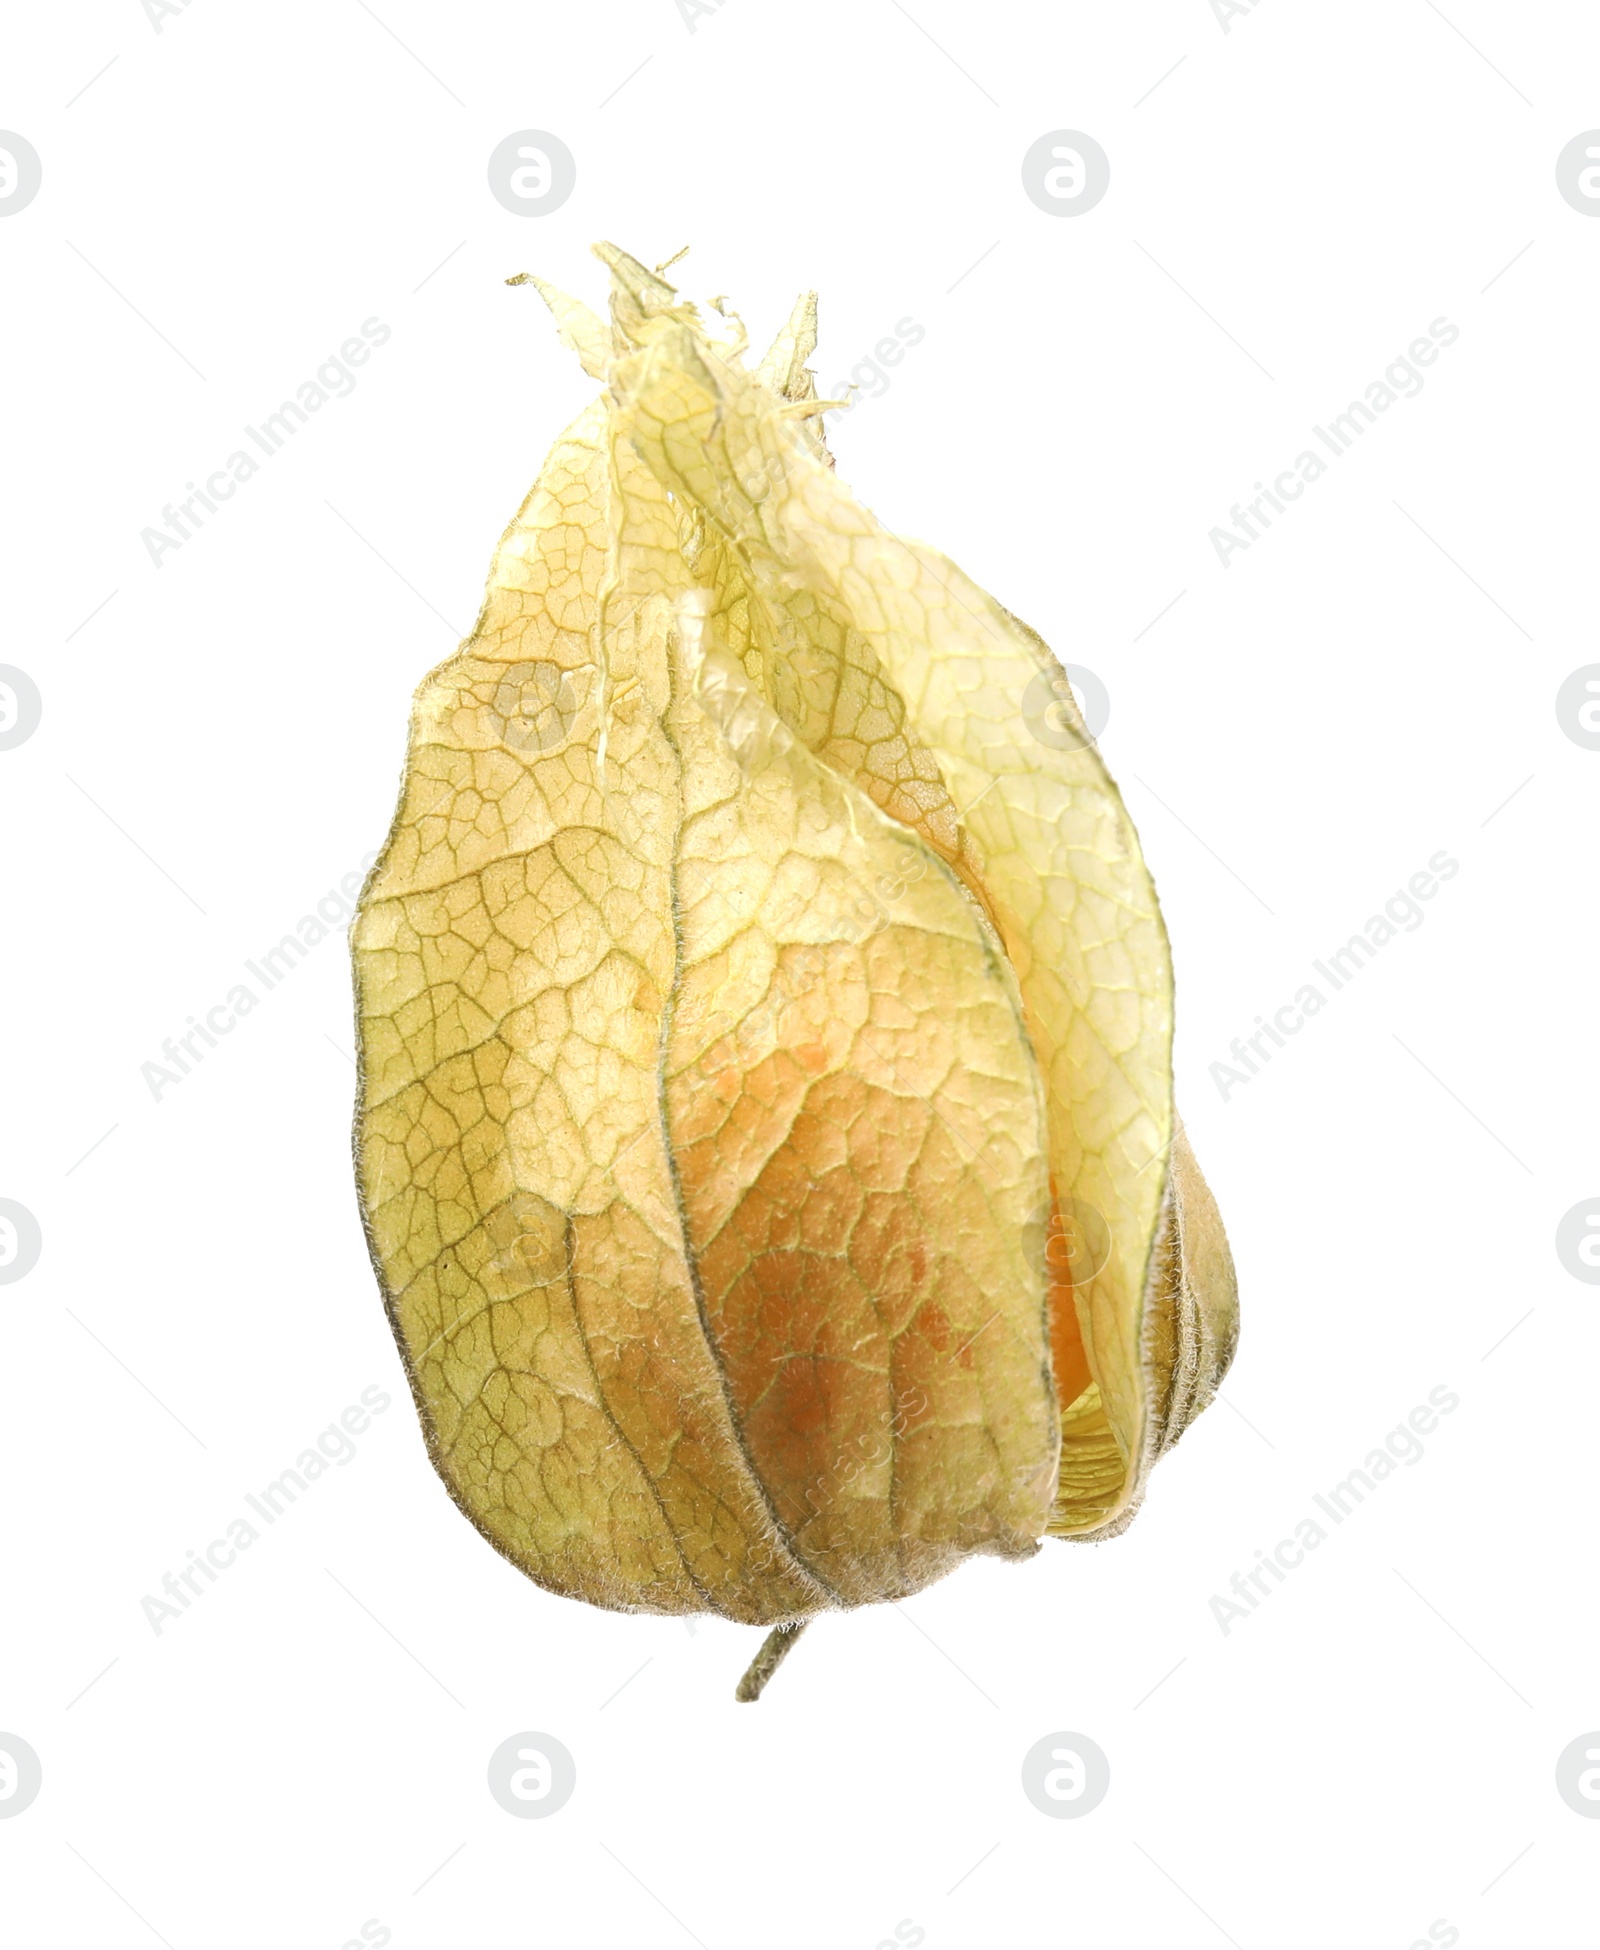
point(1374, 1747)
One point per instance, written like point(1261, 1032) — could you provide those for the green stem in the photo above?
point(774, 1650)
